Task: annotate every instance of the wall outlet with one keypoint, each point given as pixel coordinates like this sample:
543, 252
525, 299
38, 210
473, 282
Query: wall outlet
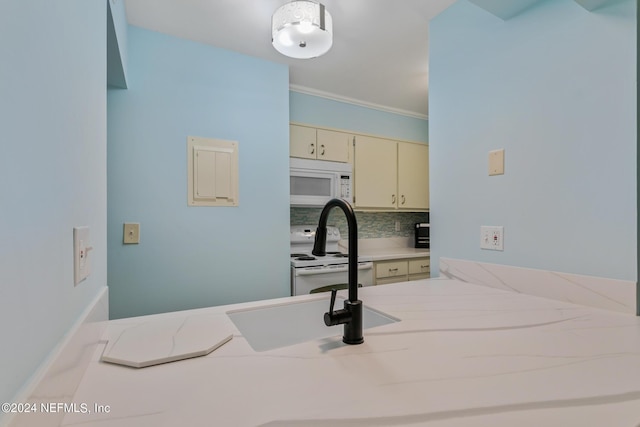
492, 238
81, 260
131, 233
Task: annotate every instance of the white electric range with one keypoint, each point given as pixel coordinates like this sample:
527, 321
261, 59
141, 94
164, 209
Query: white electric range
311, 273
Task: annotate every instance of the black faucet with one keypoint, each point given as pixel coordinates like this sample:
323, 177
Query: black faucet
351, 314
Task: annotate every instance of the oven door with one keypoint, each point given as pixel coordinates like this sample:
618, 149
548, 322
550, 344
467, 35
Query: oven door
306, 280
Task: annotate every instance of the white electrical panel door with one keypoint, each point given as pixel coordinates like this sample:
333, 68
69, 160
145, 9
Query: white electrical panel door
213, 172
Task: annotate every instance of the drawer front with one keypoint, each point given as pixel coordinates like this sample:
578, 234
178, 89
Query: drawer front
420, 276
391, 269
419, 266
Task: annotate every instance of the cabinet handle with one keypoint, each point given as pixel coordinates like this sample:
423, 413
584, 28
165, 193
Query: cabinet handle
313, 148
402, 199
393, 199
392, 269
424, 266
322, 152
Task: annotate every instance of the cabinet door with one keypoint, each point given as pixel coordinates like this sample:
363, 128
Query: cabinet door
332, 145
413, 176
419, 266
391, 269
302, 142
375, 172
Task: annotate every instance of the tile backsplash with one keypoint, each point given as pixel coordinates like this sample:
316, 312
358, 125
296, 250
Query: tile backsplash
371, 225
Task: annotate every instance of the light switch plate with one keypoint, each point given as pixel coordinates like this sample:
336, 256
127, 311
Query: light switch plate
492, 238
81, 249
131, 233
496, 162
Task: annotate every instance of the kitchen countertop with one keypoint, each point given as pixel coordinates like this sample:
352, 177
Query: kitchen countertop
462, 355
383, 254
382, 249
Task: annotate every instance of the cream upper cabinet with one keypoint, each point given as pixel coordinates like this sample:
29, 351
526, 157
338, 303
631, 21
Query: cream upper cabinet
413, 176
375, 172
391, 174
321, 144
302, 142
332, 145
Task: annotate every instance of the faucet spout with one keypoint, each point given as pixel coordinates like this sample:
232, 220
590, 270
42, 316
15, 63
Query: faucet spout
351, 314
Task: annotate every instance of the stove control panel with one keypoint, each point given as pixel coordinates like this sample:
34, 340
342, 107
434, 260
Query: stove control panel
307, 233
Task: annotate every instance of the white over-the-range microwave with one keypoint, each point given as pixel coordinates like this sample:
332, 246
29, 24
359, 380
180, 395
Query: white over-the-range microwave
312, 183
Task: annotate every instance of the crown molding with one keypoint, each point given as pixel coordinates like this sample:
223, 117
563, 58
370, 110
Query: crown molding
347, 100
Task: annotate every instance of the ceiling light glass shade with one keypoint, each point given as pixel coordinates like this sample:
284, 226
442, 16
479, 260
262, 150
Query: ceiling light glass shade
302, 29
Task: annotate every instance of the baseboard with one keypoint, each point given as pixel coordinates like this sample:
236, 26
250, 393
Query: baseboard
57, 379
609, 294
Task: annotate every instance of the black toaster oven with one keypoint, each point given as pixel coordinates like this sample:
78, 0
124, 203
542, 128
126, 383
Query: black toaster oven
421, 235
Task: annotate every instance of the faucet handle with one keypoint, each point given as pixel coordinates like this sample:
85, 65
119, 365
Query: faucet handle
337, 317
334, 292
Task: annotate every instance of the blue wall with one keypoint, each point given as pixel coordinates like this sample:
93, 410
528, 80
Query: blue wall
53, 174
324, 112
556, 87
196, 256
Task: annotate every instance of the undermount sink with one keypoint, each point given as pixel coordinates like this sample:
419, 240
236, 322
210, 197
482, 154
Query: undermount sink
280, 325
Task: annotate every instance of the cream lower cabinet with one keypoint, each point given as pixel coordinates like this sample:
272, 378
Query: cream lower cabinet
390, 175
401, 270
321, 144
419, 268
391, 271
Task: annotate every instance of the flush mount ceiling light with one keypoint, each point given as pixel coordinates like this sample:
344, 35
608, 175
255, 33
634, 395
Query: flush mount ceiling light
301, 29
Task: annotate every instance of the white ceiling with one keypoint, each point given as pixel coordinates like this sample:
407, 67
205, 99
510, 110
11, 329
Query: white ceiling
379, 56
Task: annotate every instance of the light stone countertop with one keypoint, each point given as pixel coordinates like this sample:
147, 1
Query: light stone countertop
390, 248
384, 254
462, 355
